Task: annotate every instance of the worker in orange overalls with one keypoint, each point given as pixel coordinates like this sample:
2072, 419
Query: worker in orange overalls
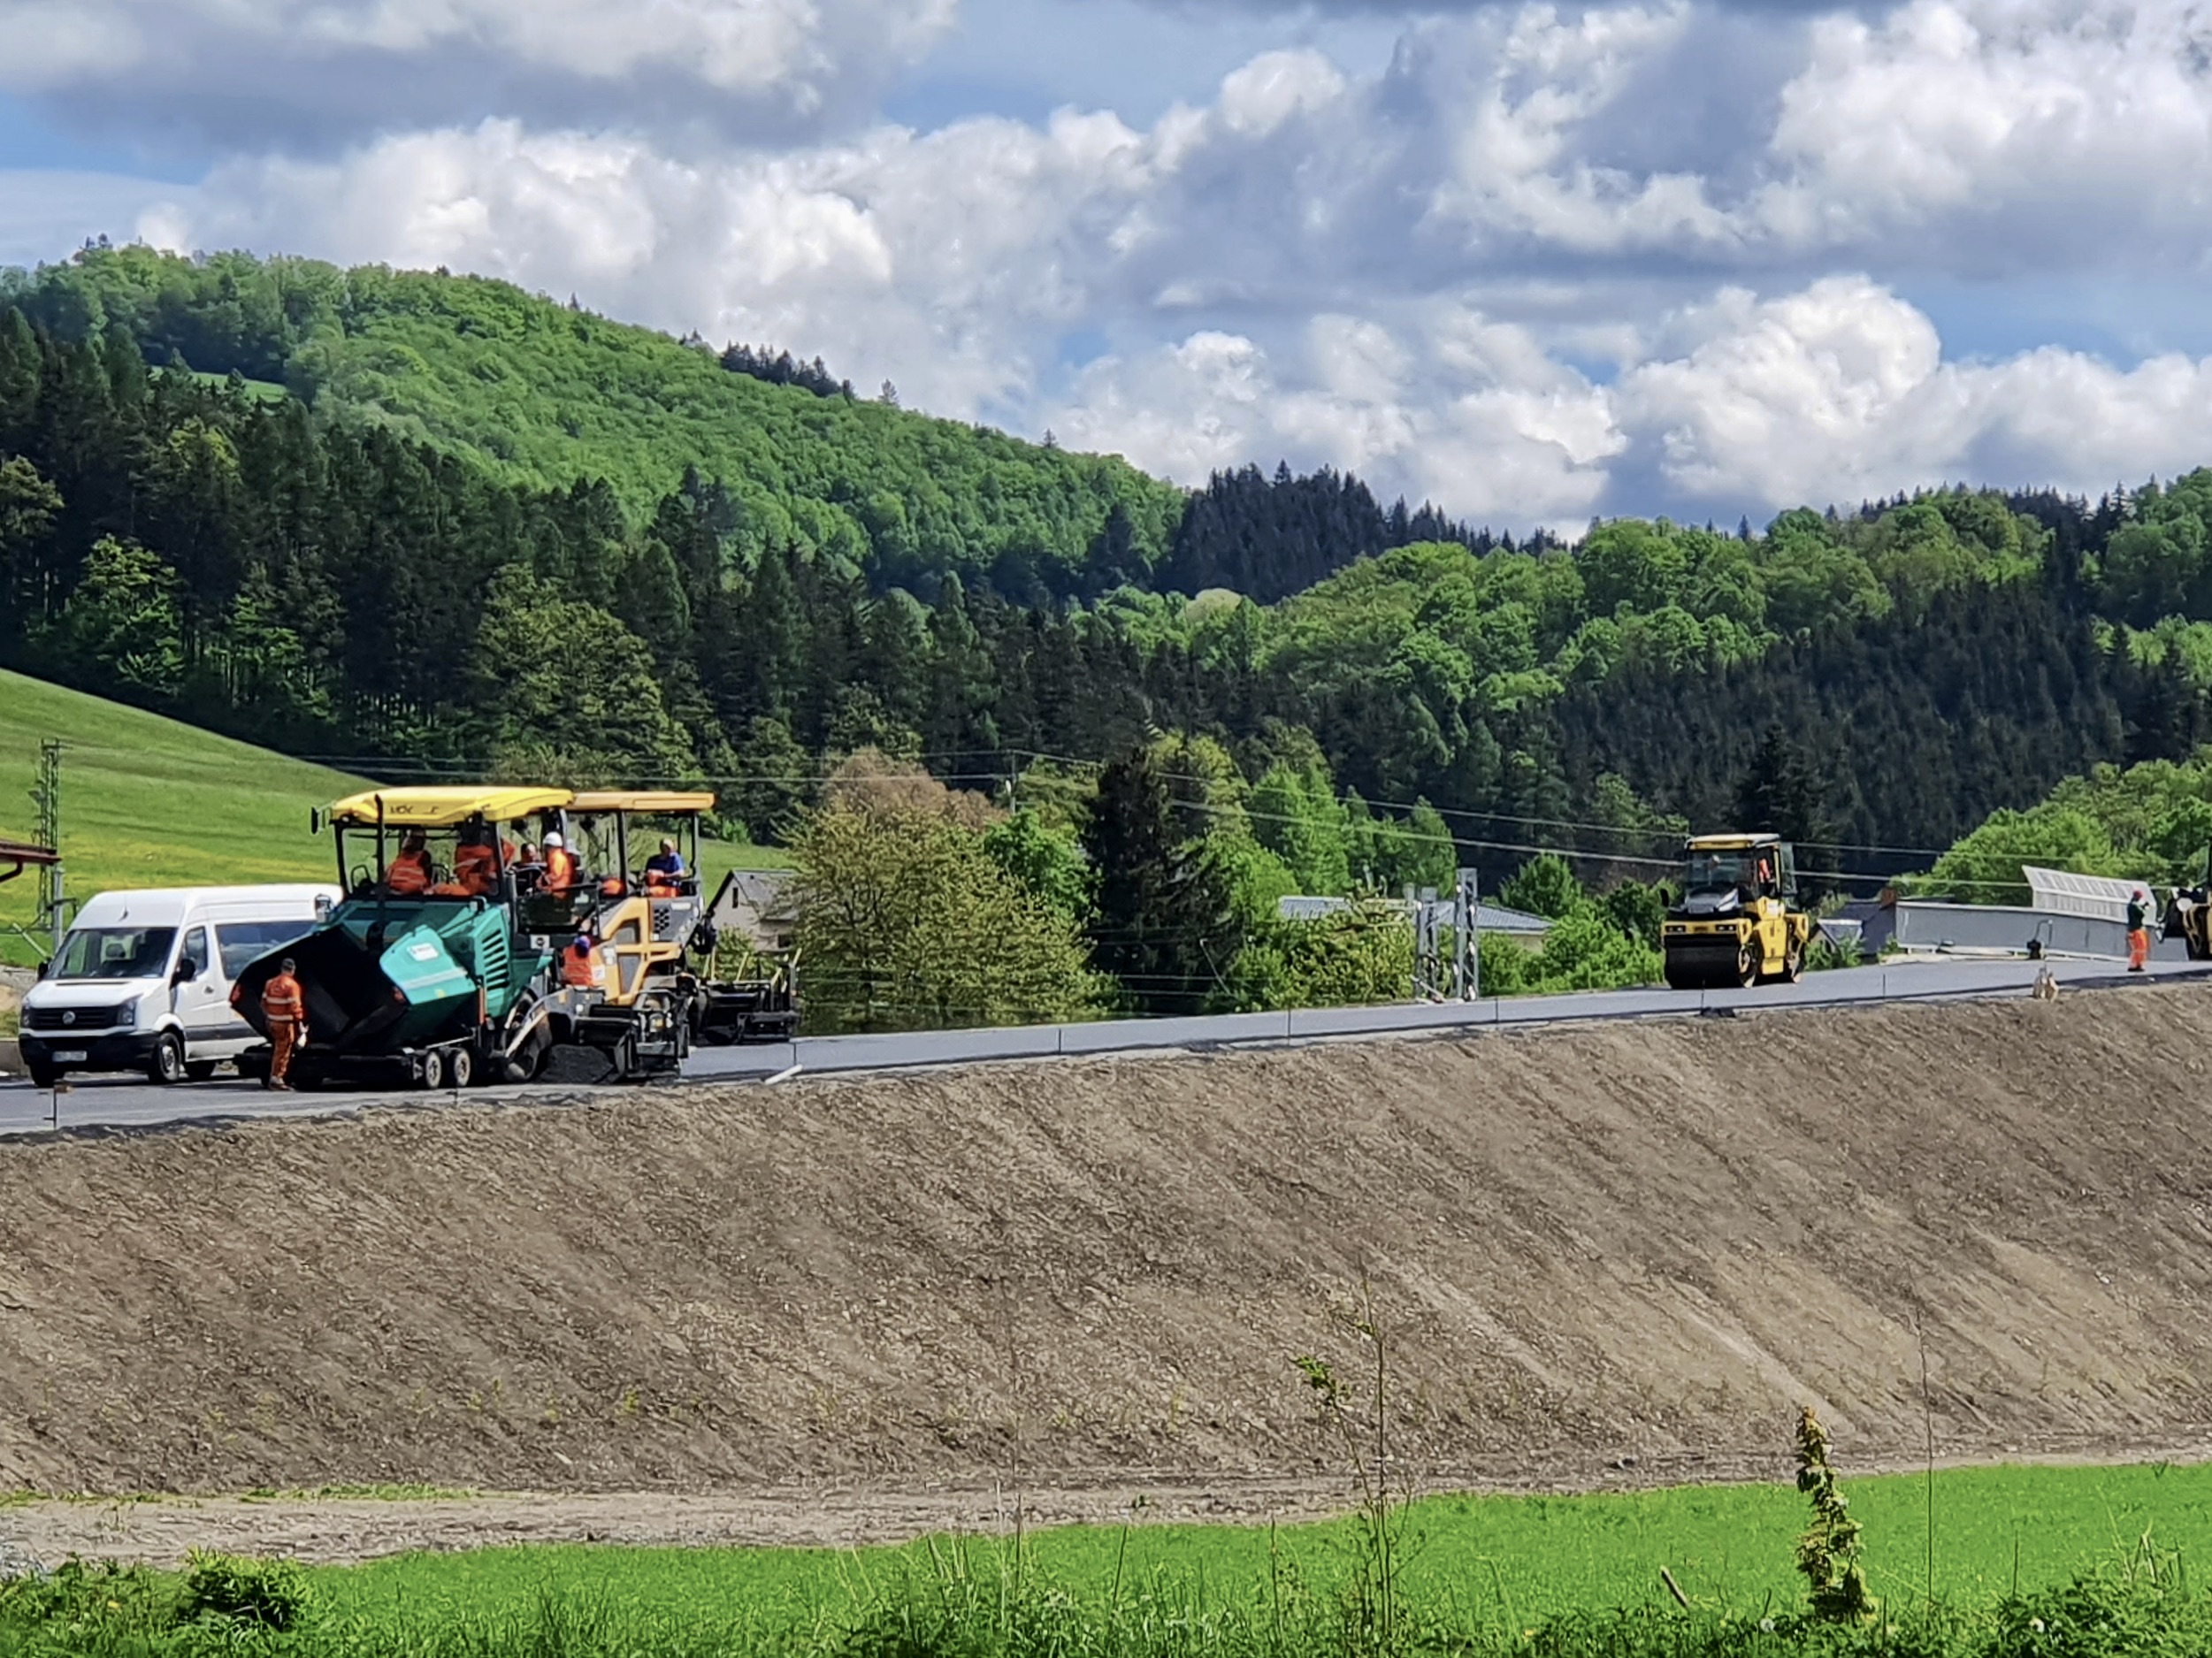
2138, 934
408, 876
284, 1004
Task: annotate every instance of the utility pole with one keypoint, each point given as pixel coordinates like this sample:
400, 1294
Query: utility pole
53, 906
1466, 938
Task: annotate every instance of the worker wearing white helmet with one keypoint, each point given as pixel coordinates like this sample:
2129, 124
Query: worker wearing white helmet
561, 871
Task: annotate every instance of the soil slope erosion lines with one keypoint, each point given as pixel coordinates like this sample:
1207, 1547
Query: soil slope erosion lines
1647, 1240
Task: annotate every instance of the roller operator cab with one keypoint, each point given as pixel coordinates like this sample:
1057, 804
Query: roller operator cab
1739, 920
453, 958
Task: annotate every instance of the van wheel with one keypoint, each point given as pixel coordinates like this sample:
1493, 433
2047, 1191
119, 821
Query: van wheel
166, 1066
461, 1068
434, 1070
199, 1070
43, 1075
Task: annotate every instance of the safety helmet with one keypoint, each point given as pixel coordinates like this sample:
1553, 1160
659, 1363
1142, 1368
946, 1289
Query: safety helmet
583, 941
554, 839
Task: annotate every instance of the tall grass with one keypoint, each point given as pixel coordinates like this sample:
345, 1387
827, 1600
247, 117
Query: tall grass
980, 1603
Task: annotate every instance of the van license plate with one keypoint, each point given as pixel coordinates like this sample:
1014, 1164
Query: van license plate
71, 1056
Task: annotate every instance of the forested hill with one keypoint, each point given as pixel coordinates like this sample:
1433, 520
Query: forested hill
546, 396
340, 586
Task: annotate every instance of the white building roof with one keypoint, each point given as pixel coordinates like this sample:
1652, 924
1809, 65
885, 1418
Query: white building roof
2059, 892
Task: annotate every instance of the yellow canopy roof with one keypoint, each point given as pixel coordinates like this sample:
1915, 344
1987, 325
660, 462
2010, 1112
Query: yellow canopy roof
640, 800
448, 807
1731, 843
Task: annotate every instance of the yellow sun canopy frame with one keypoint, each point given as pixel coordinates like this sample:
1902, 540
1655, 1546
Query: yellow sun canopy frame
447, 807
656, 803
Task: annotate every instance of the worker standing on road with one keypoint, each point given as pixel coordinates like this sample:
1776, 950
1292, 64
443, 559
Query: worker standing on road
2138, 936
581, 968
284, 1004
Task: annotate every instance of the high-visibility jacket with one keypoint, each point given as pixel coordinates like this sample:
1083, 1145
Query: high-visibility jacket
476, 868
560, 870
283, 1001
582, 969
409, 874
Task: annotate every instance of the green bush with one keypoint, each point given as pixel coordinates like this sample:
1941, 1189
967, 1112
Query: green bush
271, 1594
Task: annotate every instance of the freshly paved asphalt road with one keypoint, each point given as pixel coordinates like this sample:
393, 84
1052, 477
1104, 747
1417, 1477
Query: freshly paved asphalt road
129, 1103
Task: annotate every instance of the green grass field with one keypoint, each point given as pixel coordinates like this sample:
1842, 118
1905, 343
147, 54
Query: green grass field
1484, 1575
1487, 1563
149, 802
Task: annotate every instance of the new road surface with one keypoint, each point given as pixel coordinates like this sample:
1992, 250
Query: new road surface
93, 1102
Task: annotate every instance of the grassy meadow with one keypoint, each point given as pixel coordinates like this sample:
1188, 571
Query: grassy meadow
1481, 1575
151, 802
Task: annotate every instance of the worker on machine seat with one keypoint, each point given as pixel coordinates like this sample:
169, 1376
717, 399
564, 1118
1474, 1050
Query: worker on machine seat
562, 873
475, 865
408, 875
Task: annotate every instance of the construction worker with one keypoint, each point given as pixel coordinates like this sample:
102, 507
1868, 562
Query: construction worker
408, 876
561, 868
668, 862
284, 1004
581, 968
475, 865
2139, 935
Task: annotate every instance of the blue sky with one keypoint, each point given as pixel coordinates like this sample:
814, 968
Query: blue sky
1531, 261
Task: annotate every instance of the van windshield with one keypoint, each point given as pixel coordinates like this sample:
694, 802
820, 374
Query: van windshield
115, 953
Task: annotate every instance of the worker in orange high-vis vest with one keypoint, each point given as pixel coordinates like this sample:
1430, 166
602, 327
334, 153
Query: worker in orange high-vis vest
581, 967
408, 875
2139, 931
284, 1004
475, 865
561, 869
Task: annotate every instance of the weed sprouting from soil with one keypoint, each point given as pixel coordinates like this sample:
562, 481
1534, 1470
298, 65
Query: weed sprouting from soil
1828, 1553
1375, 1621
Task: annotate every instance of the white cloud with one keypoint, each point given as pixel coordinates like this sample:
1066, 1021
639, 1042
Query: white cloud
1481, 276
1841, 391
2052, 125
312, 70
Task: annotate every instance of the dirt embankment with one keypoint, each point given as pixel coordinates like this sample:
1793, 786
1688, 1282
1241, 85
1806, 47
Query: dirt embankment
1645, 1242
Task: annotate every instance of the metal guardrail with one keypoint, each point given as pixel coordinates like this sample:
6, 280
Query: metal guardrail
1925, 981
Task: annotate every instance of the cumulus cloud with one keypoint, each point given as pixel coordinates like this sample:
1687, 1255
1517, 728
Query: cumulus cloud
308, 73
2027, 128
1841, 392
1486, 274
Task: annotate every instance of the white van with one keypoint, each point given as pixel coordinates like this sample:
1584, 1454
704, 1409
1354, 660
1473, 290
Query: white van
143, 981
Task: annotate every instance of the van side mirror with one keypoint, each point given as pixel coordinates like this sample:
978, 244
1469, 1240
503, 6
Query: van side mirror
185, 971
45, 968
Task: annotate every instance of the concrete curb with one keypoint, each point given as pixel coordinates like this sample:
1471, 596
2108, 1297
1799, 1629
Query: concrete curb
11, 1058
